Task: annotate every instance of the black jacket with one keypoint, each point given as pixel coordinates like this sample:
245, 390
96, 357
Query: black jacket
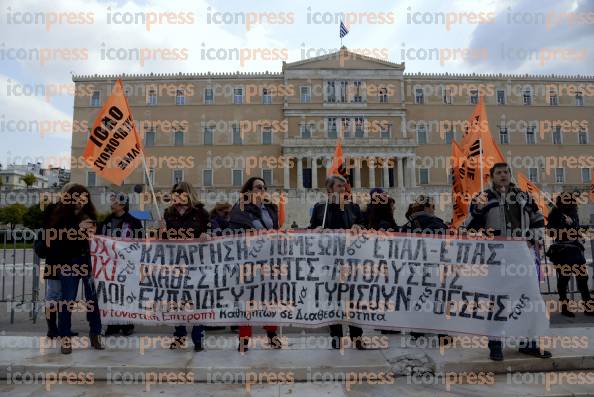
190, 225
126, 223
62, 250
245, 219
421, 222
567, 247
336, 217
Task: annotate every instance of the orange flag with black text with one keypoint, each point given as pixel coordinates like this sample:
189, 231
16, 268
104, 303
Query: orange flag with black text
114, 148
526, 185
477, 139
338, 165
460, 205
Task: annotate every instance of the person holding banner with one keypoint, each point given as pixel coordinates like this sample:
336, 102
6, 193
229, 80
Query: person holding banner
338, 213
122, 225
185, 218
421, 218
567, 251
379, 214
219, 218
254, 211
70, 226
506, 211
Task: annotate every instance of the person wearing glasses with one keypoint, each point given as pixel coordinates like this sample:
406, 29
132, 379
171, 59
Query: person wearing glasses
255, 211
185, 218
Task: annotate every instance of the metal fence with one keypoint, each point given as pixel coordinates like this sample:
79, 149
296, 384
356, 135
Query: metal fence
22, 287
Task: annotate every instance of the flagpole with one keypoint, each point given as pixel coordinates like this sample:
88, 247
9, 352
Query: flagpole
481, 164
148, 177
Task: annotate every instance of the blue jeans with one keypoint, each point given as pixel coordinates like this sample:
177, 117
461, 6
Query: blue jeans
53, 294
69, 290
197, 332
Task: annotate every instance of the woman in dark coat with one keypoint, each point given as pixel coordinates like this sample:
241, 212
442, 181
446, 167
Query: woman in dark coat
255, 212
122, 225
186, 217
73, 220
380, 212
567, 251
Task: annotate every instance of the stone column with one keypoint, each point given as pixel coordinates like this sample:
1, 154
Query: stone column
300, 173
371, 164
314, 173
287, 174
357, 173
400, 169
386, 174
413, 172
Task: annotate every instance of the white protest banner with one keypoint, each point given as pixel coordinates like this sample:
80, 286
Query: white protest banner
310, 279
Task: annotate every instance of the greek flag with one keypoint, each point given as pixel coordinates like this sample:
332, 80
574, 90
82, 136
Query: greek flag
343, 30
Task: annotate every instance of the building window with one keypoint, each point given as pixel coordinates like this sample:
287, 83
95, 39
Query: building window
266, 96
237, 139
383, 95
447, 96
96, 99
579, 99
423, 176
208, 135
91, 178
344, 91
152, 97
238, 96
385, 131
500, 97
359, 127
474, 97
557, 137
305, 92
503, 135
178, 176
583, 137
207, 177
586, 175
178, 138
332, 133
305, 131
266, 136
150, 179
345, 124
559, 175
527, 96
307, 178
330, 92
357, 94
149, 137
531, 135
449, 137
237, 177
553, 98
180, 98
267, 176
208, 96
419, 96
533, 175
421, 134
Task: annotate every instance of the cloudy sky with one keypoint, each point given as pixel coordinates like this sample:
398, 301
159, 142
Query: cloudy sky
42, 43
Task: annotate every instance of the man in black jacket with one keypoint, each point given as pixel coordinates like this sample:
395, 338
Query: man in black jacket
120, 224
338, 213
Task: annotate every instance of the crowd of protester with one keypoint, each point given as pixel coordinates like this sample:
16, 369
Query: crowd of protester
502, 210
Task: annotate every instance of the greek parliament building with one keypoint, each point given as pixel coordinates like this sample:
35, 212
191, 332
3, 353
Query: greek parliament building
215, 130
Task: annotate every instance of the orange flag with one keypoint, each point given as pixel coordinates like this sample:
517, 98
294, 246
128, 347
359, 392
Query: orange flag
460, 205
338, 166
478, 139
114, 148
282, 214
529, 187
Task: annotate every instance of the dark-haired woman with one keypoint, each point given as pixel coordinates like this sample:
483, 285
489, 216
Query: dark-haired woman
254, 211
73, 220
567, 252
186, 218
